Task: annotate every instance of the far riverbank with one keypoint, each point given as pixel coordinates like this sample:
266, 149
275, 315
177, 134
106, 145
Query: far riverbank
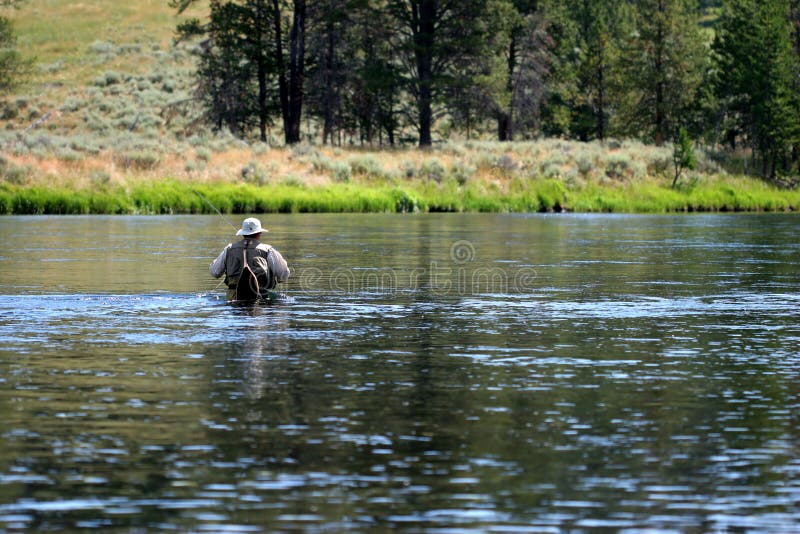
172, 197
540, 176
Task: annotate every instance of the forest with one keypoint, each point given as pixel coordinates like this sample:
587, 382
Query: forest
398, 72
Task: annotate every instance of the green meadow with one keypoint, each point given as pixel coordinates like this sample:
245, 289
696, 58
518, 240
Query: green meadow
172, 196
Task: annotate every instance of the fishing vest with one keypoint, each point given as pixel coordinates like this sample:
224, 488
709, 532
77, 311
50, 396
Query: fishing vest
247, 271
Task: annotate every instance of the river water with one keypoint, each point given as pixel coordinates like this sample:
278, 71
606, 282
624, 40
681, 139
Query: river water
495, 373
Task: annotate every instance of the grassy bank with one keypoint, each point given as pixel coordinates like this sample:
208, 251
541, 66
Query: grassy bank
431, 183
548, 175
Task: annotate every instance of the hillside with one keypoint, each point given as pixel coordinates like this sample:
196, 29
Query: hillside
108, 110
97, 65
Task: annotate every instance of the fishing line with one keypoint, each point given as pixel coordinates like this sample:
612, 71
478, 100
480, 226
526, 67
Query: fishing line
213, 207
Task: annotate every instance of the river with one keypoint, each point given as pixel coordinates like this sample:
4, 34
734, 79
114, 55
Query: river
427, 372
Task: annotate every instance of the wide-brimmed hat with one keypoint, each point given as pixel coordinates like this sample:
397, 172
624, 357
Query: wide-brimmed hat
251, 226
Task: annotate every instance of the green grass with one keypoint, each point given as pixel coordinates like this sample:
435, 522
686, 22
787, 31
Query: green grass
62, 32
175, 197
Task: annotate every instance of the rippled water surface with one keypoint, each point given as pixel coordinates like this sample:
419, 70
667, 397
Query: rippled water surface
420, 372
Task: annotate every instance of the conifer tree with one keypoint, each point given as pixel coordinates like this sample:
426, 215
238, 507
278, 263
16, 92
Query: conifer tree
12, 65
663, 65
585, 88
757, 69
602, 25
255, 51
519, 62
432, 42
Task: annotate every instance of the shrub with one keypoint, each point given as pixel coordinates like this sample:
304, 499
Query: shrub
432, 169
706, 163
108, 78
52, 68
367, 165
551, 170
505, 164
14, 174
130, 49
95, 122
462, 172
203, 154
658, 165
252, 173
100, 178
621, 166
144, 160
197, 140
454, 149
341, 171
72, 104
142, 84
585, 165
408, 169
260, 149
300, 150
68, 154
551, 195
9, 111
404, 202
102, 47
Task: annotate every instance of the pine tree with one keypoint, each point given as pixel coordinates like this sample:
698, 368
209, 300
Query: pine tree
602, 25
757, 68
433, 41
12, 65
585, 87
510, 84
331, 56
663, 65
247, 55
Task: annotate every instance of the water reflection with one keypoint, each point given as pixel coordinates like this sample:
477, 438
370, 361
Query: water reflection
644, 378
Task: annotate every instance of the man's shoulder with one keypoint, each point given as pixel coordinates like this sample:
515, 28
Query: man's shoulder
265, 247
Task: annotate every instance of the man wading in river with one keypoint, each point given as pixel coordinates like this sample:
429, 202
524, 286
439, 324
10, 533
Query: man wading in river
251, 268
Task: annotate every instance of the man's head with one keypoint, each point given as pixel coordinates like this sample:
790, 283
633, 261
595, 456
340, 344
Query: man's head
251, 228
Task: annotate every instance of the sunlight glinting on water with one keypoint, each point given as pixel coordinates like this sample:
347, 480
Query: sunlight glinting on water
642, 377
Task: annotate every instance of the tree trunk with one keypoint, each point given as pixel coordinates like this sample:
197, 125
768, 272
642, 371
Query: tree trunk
659, 66
601, 101
327, 128
263, 112
503, 126
297, 57
263, 115
425, 14
283, 86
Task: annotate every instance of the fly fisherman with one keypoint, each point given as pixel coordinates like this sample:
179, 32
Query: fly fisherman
251, 268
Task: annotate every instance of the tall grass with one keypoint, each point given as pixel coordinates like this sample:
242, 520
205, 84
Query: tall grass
176, 197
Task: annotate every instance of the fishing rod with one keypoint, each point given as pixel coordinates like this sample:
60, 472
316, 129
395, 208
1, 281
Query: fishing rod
213, 207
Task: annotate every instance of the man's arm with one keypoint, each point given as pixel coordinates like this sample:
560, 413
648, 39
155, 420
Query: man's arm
217, 266
278, 266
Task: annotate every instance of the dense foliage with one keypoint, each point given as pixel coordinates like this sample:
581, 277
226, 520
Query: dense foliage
12, 66
389, 71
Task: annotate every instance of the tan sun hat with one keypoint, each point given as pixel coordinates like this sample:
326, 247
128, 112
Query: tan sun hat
251, 226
